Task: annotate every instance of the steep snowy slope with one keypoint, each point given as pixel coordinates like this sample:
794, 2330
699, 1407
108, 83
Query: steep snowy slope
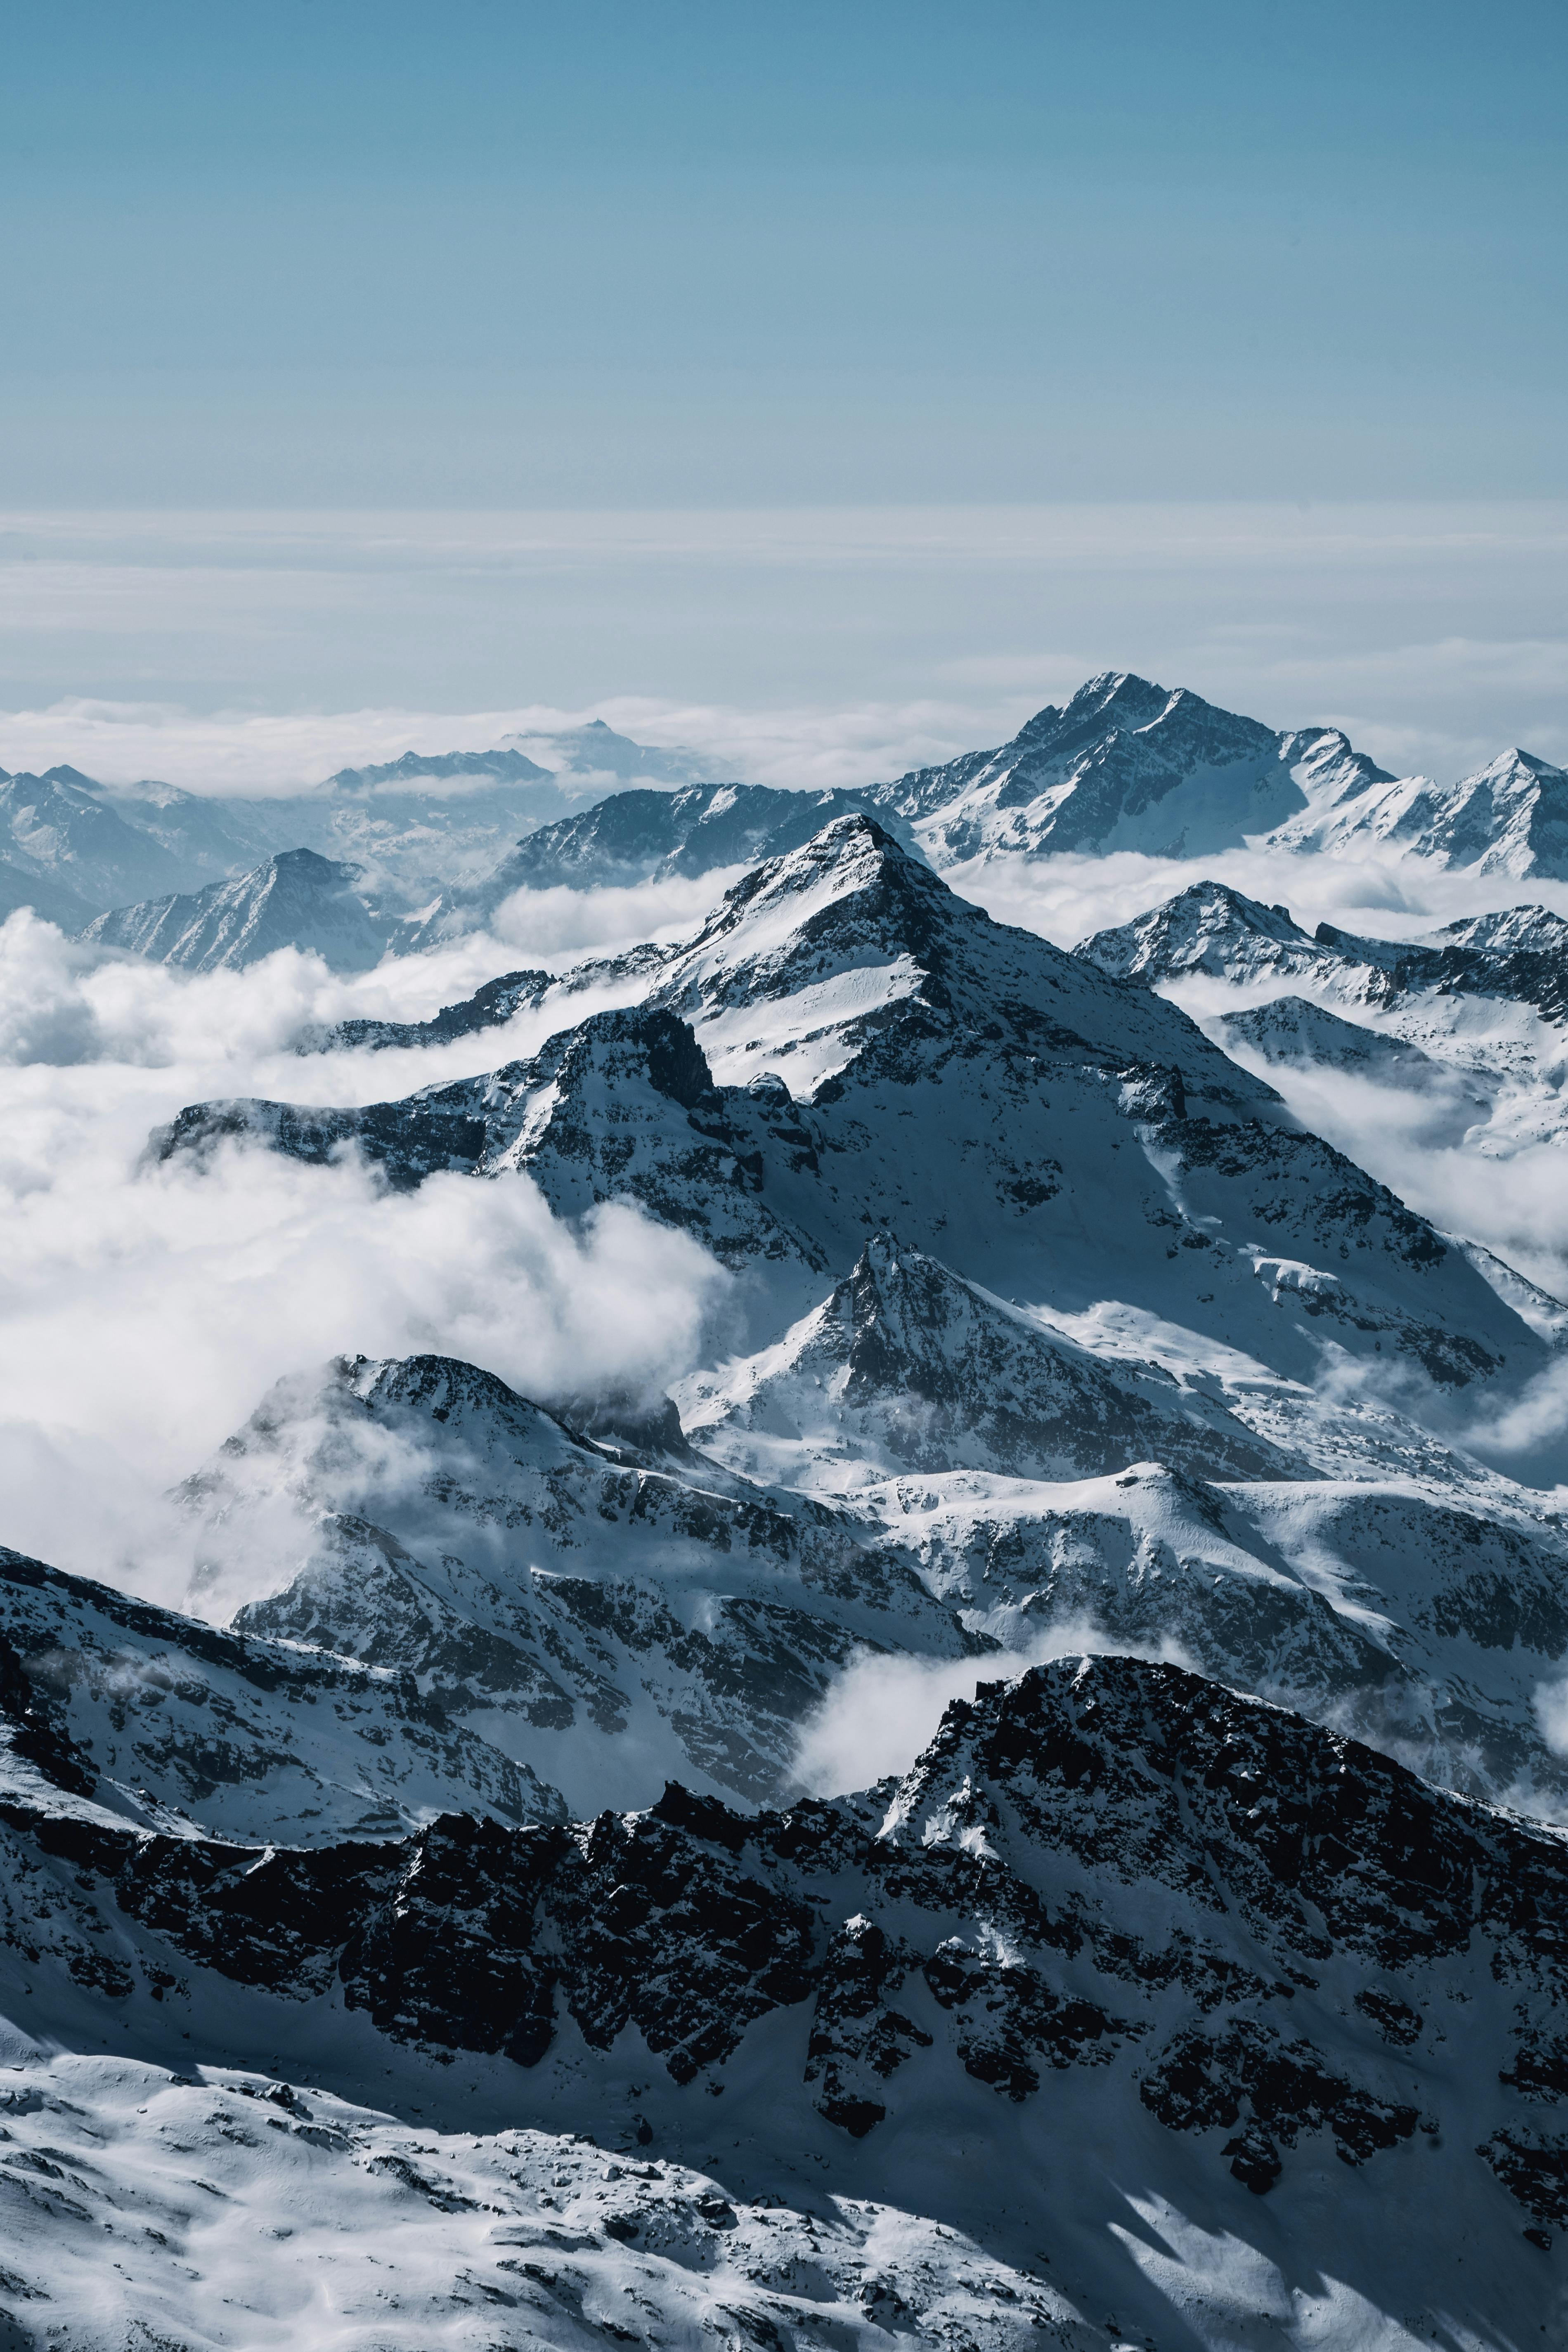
295, 899
1471, 1017
1510, 817
600, 1621
1293, 1029
1519, 955
1134, 2011
171, 1725
889, 1059
1046, 1488
1433, 1628
1211, 929
905, 1366
1128, 765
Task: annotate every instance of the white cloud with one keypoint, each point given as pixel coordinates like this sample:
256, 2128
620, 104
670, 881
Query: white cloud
881, 1712
1068, 899
142, 1312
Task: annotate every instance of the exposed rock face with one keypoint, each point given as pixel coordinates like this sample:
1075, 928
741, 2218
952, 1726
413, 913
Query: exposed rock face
1267, 1938
1465, 1023
599, 1618
906, 1367
1519, 956
1146, 1990
489, 1007
1128, 765
169, 1723
1294, 1029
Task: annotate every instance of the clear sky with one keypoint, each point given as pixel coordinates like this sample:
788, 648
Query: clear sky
612, 253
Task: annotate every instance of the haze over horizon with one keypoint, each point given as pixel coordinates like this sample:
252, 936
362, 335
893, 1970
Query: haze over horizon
857, 367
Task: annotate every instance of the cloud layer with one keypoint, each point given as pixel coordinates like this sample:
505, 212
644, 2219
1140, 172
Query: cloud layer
802, 645
142, 1311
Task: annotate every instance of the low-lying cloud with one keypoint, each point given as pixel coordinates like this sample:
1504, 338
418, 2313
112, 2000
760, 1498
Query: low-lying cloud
1068, 899
881, 1711
144, 1311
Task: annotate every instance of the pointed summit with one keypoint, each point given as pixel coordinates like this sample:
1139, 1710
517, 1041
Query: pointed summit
1127, 764
1208, 928
906, 1367
296, 899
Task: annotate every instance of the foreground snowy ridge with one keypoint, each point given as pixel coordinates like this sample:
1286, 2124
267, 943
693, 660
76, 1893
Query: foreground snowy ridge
1116, 1919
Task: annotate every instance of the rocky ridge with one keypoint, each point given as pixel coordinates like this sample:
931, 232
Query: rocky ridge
1269, 1964
601, 1616
1470, 1017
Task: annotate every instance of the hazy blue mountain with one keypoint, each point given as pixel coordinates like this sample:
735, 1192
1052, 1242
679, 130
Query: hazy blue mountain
295, 899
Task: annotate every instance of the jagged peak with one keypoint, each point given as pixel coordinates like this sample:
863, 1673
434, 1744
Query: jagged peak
851, 852
667, 1046
1515, 765
327, 1404
1534, 928
1207, 908
307, 864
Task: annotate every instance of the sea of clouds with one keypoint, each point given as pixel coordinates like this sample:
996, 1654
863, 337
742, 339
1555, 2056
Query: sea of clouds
145, 1310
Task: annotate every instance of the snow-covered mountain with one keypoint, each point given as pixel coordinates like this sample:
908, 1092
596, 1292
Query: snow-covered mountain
647, 835
72, 848
59, 834
1519, 955
772, 1093
196, 1731
1199, 1985
904, 1367
1128, 765
1510, 817
294, 899
489, 1007
594, 754
1470, 1017
1136, 2011
602, 1617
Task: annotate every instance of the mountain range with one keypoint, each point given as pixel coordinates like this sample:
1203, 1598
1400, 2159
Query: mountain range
1467, 1019
1128, 765
1023, 1803
74, 848
440, 841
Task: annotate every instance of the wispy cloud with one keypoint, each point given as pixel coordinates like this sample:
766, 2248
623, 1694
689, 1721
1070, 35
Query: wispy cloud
144, 1311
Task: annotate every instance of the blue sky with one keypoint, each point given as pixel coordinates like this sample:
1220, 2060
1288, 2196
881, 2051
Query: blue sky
318, 253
